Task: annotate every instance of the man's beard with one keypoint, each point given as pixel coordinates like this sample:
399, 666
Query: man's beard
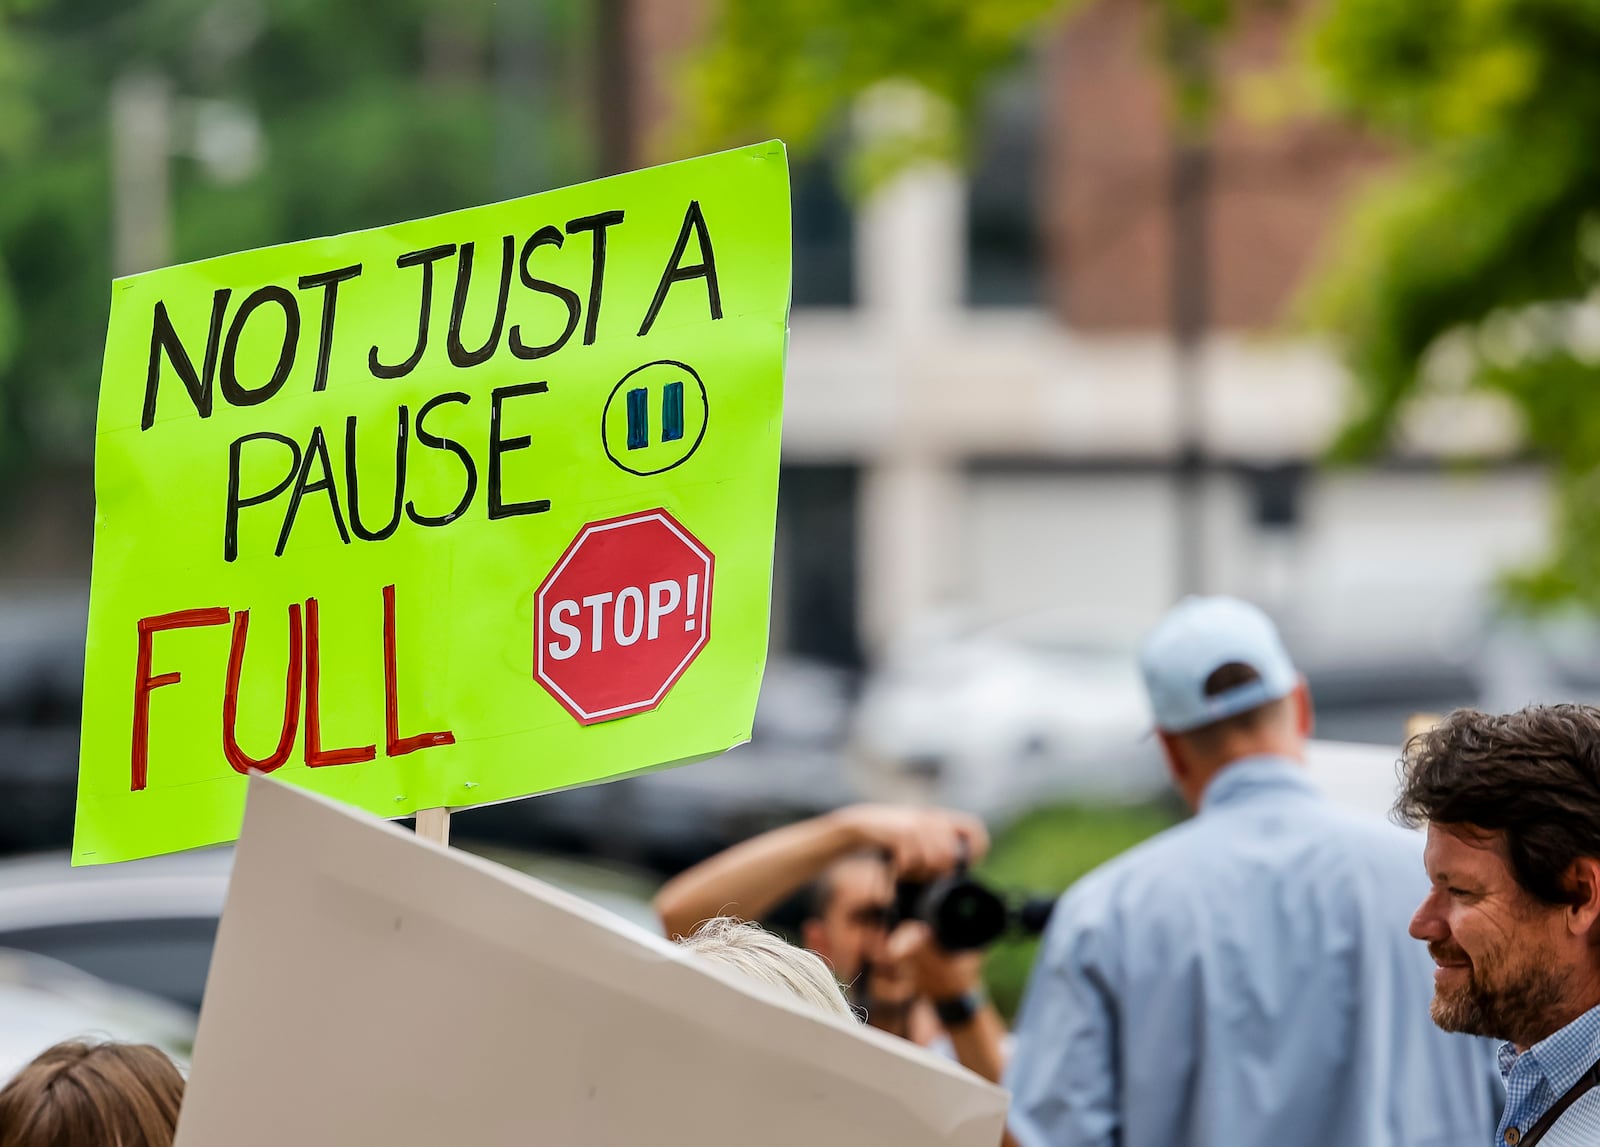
1524, 1007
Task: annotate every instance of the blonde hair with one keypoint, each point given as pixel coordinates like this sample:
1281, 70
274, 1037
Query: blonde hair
752, 951
82, 1093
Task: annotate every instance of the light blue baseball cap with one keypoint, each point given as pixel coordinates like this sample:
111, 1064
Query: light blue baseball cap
1197, 637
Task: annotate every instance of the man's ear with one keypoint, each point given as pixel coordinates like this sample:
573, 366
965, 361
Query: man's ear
1583, 881
814, 936
1178, 763
1304, 712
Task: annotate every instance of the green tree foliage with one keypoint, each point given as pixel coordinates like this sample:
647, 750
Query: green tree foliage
368, 112
17, 133
791, 67
1483, 241
1475, 261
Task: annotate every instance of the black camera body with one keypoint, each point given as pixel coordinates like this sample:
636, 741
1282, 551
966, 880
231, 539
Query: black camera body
964, 913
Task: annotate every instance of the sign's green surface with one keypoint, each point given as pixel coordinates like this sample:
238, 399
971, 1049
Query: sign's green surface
343, 489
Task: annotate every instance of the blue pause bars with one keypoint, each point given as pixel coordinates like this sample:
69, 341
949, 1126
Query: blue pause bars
639, 415
672, 412
638, 419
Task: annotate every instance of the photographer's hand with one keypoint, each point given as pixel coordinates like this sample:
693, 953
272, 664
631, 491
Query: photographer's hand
749, 879
953, 982
889, 995
921, 842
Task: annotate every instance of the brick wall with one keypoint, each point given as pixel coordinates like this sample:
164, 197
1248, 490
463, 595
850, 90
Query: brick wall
1106, 169
1277, 187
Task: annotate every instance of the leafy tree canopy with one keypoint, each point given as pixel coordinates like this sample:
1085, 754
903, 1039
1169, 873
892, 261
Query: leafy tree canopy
368, 112
1474, 262
1471, 263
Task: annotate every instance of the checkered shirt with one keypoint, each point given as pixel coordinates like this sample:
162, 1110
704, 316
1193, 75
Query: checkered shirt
1538, 1077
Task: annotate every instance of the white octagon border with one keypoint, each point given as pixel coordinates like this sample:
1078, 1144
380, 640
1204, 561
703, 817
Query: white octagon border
632, 707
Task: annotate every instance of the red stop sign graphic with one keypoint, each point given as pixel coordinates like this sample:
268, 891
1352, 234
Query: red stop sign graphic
622, 615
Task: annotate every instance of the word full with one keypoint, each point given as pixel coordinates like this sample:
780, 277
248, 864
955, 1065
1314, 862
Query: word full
304, 674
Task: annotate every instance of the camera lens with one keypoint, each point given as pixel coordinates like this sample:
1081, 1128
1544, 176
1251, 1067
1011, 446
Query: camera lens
1034, 915
964, 914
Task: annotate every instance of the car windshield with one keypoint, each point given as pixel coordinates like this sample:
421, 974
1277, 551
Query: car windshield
1053, 636
166, 958
151, 925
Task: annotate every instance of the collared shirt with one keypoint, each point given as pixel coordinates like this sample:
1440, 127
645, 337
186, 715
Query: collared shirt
1244, 979
1538, 1077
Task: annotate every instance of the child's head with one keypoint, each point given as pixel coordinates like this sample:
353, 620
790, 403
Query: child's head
80, 1093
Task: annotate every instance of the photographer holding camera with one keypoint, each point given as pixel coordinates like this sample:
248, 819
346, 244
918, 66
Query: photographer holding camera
881, 937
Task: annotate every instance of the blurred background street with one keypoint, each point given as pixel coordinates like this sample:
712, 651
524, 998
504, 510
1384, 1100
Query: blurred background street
1095, 305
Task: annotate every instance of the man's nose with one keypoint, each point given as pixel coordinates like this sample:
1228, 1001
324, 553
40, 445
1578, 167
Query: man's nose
1426, 923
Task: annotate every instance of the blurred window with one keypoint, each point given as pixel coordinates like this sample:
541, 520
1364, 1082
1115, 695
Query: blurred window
167, 958
815, 590
1276, 493
1004, 267
824, 234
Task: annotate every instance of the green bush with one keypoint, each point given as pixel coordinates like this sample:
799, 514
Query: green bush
1044, 852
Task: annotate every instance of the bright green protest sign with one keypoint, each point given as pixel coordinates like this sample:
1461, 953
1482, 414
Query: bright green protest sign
439, 514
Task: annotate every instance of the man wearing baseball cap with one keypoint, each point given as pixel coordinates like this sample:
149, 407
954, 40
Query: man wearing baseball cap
1243, 978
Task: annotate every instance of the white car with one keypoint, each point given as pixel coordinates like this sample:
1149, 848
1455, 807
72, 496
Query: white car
43, 1001
149, 925
997, 720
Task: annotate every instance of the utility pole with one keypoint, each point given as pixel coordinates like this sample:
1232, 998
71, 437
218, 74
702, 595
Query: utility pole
613, 86
1190, 302
1191, 179
141, 150
521, 104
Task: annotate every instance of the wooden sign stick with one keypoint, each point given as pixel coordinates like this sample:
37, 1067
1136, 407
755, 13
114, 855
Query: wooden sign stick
434, 824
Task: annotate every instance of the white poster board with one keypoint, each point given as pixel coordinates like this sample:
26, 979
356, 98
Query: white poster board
371, 987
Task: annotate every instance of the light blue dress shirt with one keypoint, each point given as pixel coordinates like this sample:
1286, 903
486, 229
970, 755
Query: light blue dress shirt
1545, 1072
1245, 979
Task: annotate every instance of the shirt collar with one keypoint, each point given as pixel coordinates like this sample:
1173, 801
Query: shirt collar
1561, 1057
1249, 777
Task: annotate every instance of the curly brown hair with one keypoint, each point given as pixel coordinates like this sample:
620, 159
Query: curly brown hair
1532, 775
76, 1094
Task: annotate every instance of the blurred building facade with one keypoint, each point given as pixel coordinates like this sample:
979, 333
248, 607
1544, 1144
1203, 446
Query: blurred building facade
987, 420
983, 415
